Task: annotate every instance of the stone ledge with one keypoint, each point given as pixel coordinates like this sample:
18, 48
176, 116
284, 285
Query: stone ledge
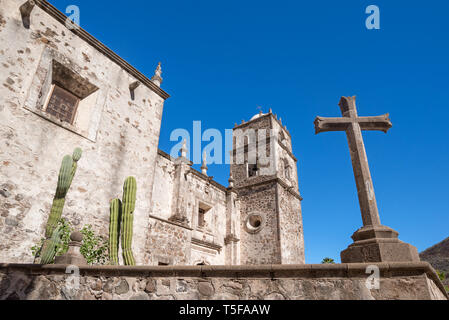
343, 281
246, 271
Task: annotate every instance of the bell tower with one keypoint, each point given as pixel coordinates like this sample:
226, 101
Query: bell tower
266, 178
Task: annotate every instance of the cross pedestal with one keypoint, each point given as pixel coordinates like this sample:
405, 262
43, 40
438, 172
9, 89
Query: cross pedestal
373, 242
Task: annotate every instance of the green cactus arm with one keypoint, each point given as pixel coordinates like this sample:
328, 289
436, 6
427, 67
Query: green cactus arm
65, 178
50, 245
114, 230
128, 207
77, 154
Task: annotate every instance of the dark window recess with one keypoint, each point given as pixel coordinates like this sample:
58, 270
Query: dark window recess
252, 170
62, 104
162, 264
201, 217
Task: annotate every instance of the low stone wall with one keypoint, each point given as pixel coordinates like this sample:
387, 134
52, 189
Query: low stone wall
279, 282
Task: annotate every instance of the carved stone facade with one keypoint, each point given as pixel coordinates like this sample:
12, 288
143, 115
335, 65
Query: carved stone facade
61, 89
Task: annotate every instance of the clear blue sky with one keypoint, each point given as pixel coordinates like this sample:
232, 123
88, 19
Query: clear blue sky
222, 59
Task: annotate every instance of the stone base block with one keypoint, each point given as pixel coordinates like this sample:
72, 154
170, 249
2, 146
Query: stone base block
378, 244
71, 260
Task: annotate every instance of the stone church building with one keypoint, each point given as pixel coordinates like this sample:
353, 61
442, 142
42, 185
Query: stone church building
61, 89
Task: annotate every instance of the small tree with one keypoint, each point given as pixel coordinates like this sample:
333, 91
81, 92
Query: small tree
328, 261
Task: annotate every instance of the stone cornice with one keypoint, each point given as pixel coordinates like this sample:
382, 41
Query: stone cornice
84, 35
272, 179
208, 179
164, 155
206, 244
196, 172
171, 222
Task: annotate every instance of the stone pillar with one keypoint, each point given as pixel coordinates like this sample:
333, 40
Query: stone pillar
232, 253
73, 255
179, 205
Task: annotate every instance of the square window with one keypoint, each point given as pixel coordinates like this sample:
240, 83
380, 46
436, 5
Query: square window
253, 170
203, 209
61, 92
62, 104
201, 217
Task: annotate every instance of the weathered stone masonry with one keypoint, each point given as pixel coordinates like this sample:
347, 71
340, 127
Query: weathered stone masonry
182, 215
119, 136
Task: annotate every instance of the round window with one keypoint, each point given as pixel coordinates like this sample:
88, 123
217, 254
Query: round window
254, 223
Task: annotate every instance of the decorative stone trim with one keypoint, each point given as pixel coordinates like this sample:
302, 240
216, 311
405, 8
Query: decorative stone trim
254, 223
92, 95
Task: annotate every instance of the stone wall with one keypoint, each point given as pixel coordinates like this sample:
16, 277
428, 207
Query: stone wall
290, 227
260, 246
399, 281
119, 135
168, 243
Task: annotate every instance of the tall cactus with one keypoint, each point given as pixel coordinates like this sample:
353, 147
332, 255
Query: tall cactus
66, 174
128, 206
50, 245
114, 230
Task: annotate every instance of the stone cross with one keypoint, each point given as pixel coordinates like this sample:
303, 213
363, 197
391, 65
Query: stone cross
373, 242
353, 125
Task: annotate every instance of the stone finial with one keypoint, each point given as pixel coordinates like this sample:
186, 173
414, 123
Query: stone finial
157, 78
76, 237
231, 181
184, 149
204, 166
243, 121
280, 121
270, 111
73, 255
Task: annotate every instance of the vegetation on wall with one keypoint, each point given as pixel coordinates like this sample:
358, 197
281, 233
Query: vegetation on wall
328, 261
94, 248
